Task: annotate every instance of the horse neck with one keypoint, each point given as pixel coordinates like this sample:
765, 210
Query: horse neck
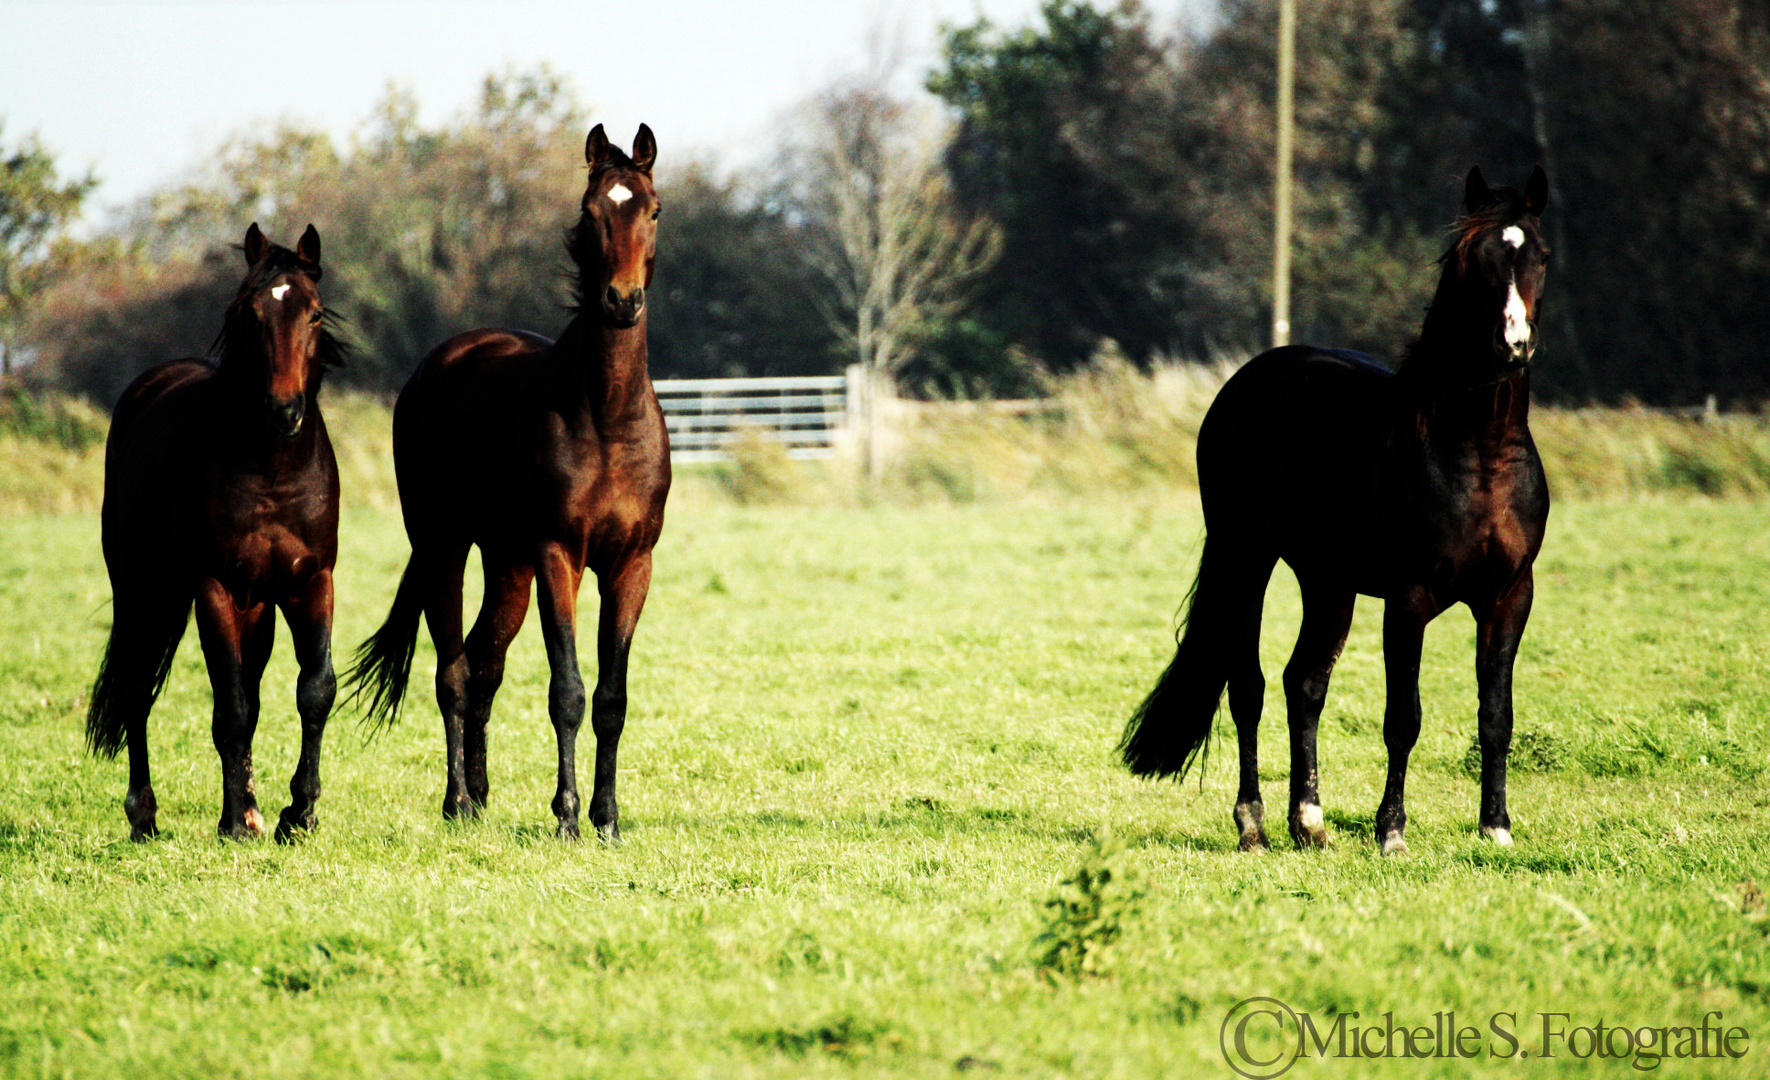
603, 369
1453, 387
241, 407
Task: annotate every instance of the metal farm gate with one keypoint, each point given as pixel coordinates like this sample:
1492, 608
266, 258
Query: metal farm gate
808, 413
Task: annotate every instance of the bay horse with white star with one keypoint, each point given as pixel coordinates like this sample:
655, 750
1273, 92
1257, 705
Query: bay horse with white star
552, 458
221, 490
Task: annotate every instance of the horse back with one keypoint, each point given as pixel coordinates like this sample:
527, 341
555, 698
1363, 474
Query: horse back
1290, 458
150, 388
1299, 423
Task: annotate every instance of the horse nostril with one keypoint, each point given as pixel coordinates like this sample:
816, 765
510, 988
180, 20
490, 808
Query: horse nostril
613, 296
285, 416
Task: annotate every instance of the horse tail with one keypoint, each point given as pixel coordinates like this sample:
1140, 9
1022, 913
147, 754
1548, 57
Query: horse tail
1169, 731
137, 659
383, 663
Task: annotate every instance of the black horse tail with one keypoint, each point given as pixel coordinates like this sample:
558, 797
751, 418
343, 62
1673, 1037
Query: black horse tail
1169, 731
137, 658
384, 662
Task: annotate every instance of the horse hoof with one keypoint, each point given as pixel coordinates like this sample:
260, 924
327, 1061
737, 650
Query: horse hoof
610, 833
1307, 827
1393, 844
1255, 842
568, 830
292, 827
1500, 836
460, 809
140, 809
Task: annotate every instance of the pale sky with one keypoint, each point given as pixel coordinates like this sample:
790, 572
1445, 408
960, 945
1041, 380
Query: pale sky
140, 90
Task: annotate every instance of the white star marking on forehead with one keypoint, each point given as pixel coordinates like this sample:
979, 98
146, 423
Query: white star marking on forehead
277, 293
1513, 235
619, 194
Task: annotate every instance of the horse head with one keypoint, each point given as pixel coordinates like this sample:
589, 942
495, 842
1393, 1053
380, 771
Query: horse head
616, 239
1499, 260
277, 316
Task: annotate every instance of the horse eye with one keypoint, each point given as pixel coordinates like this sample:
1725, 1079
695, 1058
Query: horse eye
317, 316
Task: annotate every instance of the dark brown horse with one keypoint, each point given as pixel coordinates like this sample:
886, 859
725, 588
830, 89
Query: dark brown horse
1421, 487
221, 489
551, 456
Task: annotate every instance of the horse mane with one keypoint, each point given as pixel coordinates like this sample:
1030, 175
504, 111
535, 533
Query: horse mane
332, 350
578, 245
1506, 206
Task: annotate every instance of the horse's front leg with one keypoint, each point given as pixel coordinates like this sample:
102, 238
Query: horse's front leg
622, 593
557, 575
1497, 635
236, 645
1404, 631
309, 613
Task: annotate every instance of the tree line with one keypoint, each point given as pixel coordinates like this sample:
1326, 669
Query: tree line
1089, 180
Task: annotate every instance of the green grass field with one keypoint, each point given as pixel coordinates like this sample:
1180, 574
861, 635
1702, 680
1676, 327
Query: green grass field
865, 745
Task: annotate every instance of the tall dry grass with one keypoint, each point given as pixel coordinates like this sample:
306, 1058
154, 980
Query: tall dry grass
1115, 428
1111, 428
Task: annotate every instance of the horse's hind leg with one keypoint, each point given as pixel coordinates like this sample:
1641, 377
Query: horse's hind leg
310, 624
442, 613
144, 634
139, 804
1243, 595
236, 644
500, 617
1327, 616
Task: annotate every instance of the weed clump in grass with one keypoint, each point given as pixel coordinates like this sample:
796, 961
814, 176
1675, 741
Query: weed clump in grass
1532, 751
845, 1036
760, 472
1086, 915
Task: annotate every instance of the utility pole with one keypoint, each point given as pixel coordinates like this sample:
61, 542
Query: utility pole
1281, 211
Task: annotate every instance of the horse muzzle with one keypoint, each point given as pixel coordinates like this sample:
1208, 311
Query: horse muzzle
1518, 350
285, 416
623, 310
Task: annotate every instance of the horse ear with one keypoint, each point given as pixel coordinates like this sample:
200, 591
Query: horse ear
255, 246
596, 148
1536, 192
307, 249
645, 149
1476, 193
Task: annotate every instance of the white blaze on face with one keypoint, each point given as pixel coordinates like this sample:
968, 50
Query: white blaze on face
619, 194
279, 292
1517, 320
